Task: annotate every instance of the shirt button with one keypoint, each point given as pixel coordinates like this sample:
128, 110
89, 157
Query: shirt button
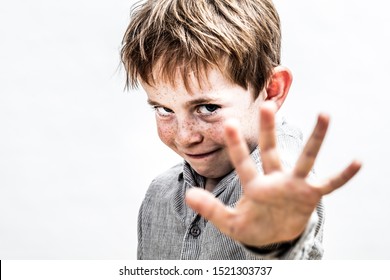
195, 231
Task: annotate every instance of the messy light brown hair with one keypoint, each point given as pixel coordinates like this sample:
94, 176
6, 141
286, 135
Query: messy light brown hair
241, 38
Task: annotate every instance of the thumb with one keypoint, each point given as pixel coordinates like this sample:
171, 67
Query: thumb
211, 208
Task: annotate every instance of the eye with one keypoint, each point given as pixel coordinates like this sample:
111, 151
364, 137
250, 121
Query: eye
207, 109
162, 111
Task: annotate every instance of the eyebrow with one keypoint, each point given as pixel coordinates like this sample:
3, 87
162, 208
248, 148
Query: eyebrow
153, 103
189, 103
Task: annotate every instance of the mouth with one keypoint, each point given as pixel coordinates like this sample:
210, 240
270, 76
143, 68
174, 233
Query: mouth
202, 155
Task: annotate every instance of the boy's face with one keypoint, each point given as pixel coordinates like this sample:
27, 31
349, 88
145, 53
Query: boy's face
192, 122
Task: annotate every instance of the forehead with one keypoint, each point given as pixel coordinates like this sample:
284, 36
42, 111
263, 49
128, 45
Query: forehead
191, 82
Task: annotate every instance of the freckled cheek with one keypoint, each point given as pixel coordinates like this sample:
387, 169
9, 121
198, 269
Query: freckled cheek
166, 133
215, 133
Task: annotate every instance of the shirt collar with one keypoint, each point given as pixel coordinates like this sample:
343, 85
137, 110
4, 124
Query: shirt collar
192, 178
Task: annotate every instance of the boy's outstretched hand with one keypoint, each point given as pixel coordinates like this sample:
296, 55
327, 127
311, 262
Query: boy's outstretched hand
275, 206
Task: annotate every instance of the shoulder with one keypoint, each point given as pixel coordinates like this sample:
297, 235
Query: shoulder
166, 180
162, 191
285, 130
290, 142
172, 174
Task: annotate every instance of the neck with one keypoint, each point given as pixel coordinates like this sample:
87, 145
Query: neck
210, 184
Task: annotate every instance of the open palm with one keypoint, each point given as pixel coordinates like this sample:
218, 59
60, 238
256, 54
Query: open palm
275, 206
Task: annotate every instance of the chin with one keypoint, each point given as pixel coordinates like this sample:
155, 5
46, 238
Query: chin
213, 174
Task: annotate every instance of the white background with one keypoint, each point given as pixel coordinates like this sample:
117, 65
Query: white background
77, 152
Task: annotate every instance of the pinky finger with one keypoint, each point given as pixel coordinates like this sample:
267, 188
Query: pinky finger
340, 179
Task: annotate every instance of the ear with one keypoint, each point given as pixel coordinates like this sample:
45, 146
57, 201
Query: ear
278, 85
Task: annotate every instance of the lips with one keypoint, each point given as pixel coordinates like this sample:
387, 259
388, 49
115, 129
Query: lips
201, 155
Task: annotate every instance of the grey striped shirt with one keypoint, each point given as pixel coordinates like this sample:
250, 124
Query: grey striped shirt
169, 229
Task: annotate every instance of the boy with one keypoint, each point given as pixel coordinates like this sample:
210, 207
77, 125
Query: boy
211, 70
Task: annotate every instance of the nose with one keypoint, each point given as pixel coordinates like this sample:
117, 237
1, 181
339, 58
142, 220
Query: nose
188, 133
